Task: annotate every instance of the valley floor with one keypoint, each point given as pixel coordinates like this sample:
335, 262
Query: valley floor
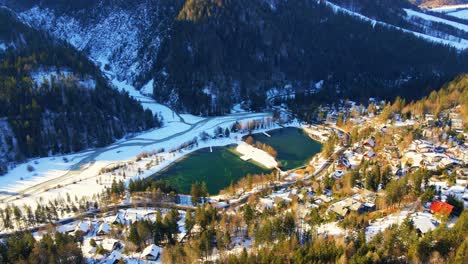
78, 175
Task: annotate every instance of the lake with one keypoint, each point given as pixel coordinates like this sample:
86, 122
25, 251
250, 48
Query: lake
217, 169
295, 148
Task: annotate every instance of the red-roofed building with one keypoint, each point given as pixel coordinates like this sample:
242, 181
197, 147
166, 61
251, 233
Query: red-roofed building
441, 207
341, 166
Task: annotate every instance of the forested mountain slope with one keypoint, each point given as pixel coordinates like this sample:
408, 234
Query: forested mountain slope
54, 100
123, 35
249, 47
205, 56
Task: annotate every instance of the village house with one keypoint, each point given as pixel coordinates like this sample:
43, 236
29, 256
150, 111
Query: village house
83, 227
369, 143
118, 219
104, 229
344, 207
151, 253
456, 121
429, 119
439, 207
111, 245
424, 148
424, 222
369, 154
113, 258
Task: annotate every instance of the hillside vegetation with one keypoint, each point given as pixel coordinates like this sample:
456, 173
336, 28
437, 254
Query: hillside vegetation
55, 100
222, 52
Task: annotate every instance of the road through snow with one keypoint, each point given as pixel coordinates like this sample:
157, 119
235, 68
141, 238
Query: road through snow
87, 164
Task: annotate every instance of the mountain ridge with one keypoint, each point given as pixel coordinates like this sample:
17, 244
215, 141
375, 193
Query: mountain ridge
154, 42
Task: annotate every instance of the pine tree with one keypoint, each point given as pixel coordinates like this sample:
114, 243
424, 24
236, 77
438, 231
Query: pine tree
195, 193
189, 221
204, 191
133, 235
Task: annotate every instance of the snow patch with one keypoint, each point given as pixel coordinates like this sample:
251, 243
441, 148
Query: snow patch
463, 14
331, 229
412, 13
449, 8
251, 153
39, 76
457, 43
147, 89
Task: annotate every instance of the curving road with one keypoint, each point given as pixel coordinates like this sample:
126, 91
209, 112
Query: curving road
139, 141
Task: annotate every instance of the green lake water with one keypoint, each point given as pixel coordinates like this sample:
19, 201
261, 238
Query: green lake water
295, 148
217, 169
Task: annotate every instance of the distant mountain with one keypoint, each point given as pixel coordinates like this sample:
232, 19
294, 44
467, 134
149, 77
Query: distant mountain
54, 100
203, 56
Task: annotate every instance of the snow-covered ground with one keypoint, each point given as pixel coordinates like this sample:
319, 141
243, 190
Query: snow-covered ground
455, 42
449, 8
460, 11
463, 14
42, 169
41, 75
78, 175
331, 229
412, 13
147, 89
167, 114
381, 224
3, 46
251, 153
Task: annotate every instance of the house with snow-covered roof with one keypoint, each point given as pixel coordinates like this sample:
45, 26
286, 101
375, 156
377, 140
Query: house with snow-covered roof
343, 207
370, 143
369, 154
83, 227
111, 245
151, 253
113, 258
118, 219
424, 222
104, 229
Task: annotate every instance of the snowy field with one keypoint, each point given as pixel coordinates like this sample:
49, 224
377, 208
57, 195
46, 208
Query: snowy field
412, 13
463, 14
457, 43
78, 174
381, 224
449, 8
460, 11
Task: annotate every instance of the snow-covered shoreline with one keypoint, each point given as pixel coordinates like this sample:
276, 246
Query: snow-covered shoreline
78, 175
251, 153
